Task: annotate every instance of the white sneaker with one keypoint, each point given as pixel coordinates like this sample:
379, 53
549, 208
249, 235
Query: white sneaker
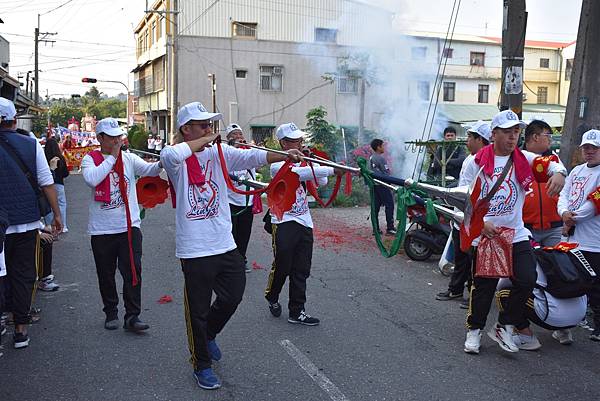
473, 341
47, 284
563, 336
525, 342
503, 336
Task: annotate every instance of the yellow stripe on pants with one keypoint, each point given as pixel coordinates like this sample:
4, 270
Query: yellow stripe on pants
273, 266
188, 324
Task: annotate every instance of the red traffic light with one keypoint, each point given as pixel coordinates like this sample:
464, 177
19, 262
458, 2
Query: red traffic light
89, 80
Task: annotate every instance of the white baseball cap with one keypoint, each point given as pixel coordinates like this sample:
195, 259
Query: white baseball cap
7, 110
195, 111
232, 127
591, 137
289, 130
109, 126
507, 119
482, 129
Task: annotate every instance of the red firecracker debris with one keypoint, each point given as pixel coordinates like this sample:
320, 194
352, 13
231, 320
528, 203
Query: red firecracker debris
165, 299
256, 266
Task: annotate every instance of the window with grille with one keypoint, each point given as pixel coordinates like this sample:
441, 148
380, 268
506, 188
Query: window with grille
325, 35
449, 91
244, 30
158, 74
241, 74
542, 95
478, 59
447, 53
347, 84
271, 78
544, 63
483, 93
261, 134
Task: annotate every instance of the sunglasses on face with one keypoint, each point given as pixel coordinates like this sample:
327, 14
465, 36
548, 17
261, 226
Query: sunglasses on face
202, 125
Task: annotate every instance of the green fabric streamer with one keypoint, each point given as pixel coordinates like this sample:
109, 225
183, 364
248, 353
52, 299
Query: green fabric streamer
403, 199
431, 216
142, 214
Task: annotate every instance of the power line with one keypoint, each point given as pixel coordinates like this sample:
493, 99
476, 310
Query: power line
54, 9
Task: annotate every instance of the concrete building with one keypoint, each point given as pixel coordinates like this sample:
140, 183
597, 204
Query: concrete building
473, 69
269, 59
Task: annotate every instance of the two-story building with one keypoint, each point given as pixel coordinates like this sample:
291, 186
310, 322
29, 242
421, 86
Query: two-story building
270, 59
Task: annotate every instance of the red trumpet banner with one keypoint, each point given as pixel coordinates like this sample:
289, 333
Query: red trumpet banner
151, 191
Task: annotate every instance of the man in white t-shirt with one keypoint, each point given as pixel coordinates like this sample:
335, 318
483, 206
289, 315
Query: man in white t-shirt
545, 310
579, 207
293, 235
240, 205
151, 144
209, 257
158, 143
505, 210
108, 222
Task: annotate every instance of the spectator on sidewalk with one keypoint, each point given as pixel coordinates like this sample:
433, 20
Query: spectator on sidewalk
455, 156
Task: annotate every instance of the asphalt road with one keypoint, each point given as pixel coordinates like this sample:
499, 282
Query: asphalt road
382, 337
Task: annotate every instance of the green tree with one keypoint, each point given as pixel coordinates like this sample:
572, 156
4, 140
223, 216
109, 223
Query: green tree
323, 135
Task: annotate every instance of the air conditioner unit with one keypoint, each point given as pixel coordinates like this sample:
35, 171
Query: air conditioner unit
277, 70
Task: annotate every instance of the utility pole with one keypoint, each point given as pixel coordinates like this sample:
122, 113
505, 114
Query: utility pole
174, 67
583, 104
37, 41
514, 26
213, 86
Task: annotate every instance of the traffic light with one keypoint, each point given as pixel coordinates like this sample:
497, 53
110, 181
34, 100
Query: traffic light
89, 80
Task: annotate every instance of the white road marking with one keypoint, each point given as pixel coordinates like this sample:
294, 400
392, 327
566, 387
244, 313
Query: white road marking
313, 372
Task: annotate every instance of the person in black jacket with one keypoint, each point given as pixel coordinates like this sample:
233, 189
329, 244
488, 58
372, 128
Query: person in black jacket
455, 155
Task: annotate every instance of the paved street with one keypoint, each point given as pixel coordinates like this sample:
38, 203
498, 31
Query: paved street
382, 337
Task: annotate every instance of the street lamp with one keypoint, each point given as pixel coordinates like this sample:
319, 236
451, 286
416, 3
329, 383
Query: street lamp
89, 80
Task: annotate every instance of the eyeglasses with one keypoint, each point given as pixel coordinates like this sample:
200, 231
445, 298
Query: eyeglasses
202, 125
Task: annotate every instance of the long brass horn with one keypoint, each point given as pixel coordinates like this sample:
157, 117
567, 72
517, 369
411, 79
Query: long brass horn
452, 214
320, 160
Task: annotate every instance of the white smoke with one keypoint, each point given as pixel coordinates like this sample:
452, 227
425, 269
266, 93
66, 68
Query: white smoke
394, 106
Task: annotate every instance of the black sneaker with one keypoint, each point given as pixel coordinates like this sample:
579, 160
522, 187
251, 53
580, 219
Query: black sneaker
391, 231
304, 319
275, 309
135, 324
21, 340
447, 295
595, 336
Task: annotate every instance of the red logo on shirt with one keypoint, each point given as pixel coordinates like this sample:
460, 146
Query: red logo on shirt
204, 200
116, 200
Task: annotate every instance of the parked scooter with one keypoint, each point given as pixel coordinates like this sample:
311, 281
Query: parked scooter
423, 240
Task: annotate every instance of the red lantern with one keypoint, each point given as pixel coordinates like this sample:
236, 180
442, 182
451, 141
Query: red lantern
151, 191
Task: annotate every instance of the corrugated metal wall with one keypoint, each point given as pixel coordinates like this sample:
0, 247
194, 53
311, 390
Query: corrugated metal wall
281, 20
